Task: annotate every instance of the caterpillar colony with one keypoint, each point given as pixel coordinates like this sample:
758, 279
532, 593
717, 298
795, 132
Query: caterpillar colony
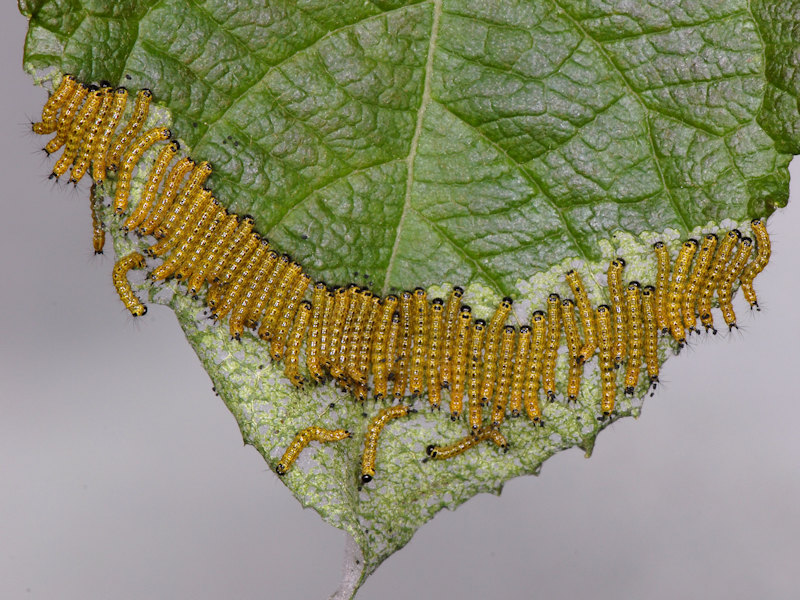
364, 342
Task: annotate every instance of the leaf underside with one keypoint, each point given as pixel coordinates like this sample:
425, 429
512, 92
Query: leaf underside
399, 144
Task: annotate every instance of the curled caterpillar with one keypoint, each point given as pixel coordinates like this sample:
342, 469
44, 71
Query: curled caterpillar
303, 439
134, 260
460, 446
376, 426
764, 248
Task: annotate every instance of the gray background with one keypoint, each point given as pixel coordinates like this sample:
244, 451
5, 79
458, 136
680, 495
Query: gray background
123, 476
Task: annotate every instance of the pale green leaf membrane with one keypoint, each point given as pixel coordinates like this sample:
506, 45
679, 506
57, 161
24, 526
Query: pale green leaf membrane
492, 144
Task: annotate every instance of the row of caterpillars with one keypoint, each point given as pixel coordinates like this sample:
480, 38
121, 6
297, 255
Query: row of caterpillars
362, 341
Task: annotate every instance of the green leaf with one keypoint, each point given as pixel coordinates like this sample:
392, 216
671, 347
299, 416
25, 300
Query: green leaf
489, 143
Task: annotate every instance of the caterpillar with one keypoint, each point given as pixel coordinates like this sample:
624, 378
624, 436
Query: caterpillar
141, 109
196, 207
507, 341
376, 426
573, 348
762, 258
278, 342
436, 338
663, 263
470, 441
177, 211
233, 292
154, 178
633, 305
77, 131
451, 317
381, 378
401, 366
553, 341
492, 343
243, 308
462, 339
129, 161
352, 370
84, 156
303, 439
539, 328
586, 313
338, 316
650, 333
168, 194
64, 123
362, 367
520, 368
731, 274
111, 119
134, 260
697, 280
90, 138
186, 246
279, 296
98, 231
382, 350
54, 103
614, 276
420, 348
475, 413
677, 287
319, 300
202, 244
718, 265
292, 364
608, 375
